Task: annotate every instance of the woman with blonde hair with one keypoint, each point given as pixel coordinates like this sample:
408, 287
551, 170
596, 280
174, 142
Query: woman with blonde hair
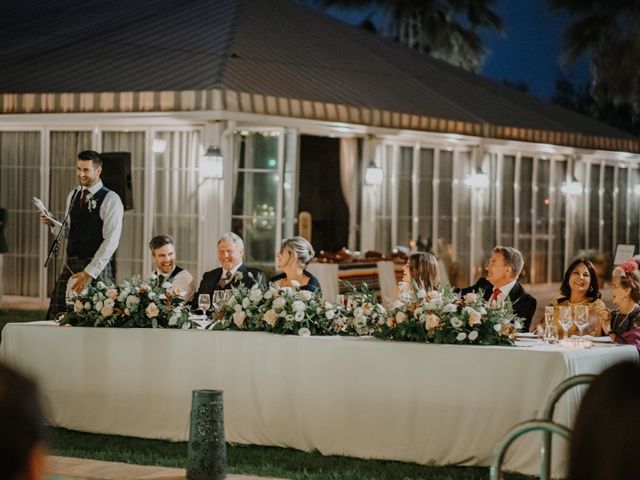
420, 273
294, 255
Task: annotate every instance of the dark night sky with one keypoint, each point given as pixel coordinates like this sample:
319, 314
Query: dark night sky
528, 51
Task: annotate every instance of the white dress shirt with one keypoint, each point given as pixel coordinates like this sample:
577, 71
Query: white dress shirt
505, 290
111, 213
182, 282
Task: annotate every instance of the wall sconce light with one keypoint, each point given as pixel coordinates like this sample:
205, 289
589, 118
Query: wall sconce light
211, 163
373, 174
572, 188
159, 145
477, 179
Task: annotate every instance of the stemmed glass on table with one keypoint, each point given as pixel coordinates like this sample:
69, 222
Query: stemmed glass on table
550, 331
565, 318
581, 317
204, 304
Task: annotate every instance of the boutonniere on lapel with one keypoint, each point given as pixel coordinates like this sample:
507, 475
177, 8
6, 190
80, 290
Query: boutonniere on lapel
237, 277
91, 204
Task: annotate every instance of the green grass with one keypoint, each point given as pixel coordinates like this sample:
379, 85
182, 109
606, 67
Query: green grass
12, 316
254, 460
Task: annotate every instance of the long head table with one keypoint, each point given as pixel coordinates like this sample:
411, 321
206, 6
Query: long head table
359, 397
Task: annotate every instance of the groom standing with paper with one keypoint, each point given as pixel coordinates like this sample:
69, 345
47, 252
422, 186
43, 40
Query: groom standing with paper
94, 225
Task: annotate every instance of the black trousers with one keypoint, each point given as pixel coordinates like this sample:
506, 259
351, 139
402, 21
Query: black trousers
73, 265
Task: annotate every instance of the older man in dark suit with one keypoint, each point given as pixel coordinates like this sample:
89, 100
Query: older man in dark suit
501, 282
232, 271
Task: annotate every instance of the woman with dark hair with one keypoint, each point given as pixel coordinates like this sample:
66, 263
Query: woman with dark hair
606, 428
580, 287
625, 318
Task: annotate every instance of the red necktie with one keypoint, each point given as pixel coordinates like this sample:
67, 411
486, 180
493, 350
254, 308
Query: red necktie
494, 295
83, 197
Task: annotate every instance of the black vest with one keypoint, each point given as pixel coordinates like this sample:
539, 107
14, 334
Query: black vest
169, 278
85, 235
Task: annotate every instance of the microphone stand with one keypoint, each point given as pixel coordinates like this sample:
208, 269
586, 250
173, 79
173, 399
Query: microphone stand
53, 250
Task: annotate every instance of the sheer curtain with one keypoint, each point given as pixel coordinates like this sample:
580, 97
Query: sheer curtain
349, 183
20, 180
64, 148
132, 248
176, 210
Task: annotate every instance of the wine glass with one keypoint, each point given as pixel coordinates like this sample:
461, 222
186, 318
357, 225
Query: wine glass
204, 302
217, 300
581, 317
565, 318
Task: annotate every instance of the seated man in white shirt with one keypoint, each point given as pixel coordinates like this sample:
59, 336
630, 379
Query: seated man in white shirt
164, 258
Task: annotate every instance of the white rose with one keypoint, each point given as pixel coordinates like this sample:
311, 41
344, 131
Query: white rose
279, 303
268, 294
359, 312
166, 285
152, 310
474, 318
517, 324
305, 295
299, 316
87, 305
497, 327
456, 322
433, 295
239, 317
330, 314
173, 319
101, 285
109, 302
421, 294
470, 297
151, 295
270, 317
304, 332
298, 306
400, 317
461, 336
246, 302
450, 308
473, 335
255, 295
99, 306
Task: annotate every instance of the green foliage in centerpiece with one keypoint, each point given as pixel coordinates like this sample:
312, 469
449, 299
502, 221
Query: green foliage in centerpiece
446, 317
138, 302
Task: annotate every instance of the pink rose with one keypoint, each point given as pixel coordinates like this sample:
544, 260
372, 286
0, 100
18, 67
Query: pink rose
112, 293
152, 310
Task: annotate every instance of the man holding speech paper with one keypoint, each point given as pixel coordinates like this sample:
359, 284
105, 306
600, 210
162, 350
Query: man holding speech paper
94, 222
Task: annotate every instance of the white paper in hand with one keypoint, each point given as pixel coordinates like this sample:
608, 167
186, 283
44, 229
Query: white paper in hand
44, 211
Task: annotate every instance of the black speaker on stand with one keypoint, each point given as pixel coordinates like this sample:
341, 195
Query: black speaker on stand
116, 176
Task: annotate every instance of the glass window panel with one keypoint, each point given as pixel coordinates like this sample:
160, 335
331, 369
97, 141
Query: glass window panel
405, 192
507, 220
465, 211
258, 235
425, 197
607, 241
594, 208
634, 208
445, 196
621, 206
557, 232
20, 180
383, 208
526, 204
128, 257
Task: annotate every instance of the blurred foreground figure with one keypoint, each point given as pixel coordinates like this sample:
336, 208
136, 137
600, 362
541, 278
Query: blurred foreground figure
22, 451
608, 427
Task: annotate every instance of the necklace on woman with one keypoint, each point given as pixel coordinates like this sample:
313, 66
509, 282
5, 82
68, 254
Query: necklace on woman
624, 320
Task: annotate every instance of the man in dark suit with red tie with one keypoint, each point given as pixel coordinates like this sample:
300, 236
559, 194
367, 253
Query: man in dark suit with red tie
501, 282
232, 271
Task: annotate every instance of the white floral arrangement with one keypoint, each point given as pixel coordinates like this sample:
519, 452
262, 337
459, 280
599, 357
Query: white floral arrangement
356, 313
446, 317
136, 302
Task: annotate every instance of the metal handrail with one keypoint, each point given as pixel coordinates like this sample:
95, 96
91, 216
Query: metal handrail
547, 414
546, 426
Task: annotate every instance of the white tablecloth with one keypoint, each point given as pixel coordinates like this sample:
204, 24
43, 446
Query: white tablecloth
357, 397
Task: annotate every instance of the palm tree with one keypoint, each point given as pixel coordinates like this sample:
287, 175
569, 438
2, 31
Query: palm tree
445, 29
608, 33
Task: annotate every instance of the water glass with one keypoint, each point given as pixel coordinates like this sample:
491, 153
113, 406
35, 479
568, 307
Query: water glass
204, 302
565, 319
551, 334
581, 317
